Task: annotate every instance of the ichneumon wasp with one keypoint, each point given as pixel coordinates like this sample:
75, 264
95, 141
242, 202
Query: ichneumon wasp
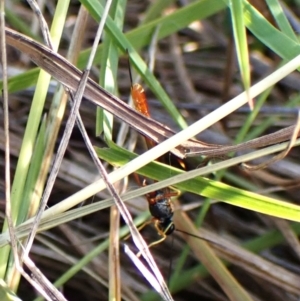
159, 201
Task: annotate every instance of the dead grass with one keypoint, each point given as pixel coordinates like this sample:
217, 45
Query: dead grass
195, 79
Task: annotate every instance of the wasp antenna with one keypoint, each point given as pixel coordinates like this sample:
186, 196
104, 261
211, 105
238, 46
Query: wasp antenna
129, 69
199, 237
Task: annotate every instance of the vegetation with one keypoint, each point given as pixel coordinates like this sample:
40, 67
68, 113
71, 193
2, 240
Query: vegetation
194, 61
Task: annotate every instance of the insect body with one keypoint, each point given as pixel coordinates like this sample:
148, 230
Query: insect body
159, 201
139, 99
161, 209
141, 105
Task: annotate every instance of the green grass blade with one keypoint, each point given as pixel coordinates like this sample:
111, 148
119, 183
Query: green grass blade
109, 69
141, 36
207, 188
22, 81
240, 38
138, 38
34, 119
27, 208
6, 294
145, 35
281, 19
155, 10
271, 37
19, 24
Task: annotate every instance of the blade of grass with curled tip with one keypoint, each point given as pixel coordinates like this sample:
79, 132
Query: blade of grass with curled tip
257, 87
265, 124
204, 123
69, 75
209, 188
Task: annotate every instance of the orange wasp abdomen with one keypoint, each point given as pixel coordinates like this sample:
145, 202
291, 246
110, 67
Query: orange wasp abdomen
141, 105
139, 99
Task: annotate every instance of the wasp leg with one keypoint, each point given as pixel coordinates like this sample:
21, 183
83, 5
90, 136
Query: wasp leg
161, 233
142, 226
153, 244
176, 192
